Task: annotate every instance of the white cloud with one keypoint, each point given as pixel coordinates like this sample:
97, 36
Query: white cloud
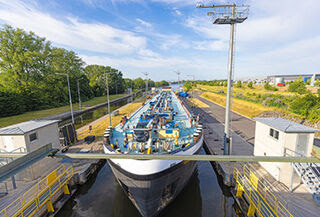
71, 32
144, 23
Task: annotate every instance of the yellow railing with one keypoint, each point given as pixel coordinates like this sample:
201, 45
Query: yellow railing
40, 194
262, 201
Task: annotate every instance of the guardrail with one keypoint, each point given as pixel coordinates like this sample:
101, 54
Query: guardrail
40, 194
261, 200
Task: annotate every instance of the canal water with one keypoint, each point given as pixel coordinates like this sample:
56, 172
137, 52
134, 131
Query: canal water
102, 196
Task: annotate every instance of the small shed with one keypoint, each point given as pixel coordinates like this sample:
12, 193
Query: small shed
29, 135
281, 137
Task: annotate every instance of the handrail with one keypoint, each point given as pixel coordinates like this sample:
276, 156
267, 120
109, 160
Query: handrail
259, 194
38, 195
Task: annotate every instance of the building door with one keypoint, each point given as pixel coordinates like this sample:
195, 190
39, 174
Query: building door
302, 144
8, 143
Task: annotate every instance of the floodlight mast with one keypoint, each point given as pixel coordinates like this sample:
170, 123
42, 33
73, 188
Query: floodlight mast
146, 74
222, 15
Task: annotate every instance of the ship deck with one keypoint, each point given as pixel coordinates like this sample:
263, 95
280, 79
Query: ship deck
179, 124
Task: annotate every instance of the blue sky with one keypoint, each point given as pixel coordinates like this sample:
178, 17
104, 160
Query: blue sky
161, 36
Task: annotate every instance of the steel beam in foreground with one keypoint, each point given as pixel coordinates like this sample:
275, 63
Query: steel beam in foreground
226, 158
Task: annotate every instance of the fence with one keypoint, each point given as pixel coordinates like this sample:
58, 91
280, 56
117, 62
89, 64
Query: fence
40, 194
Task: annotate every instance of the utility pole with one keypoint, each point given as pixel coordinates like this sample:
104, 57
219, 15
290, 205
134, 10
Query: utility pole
107, 85
79, 92
146, 74
70, 99
178, 73
223, 15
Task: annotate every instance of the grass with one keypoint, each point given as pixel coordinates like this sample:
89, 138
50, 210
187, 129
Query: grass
243, 107
99, 127
6, 121
258, 89
198, 103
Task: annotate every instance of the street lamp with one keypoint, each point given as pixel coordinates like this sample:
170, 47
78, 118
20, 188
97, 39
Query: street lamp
70, 99
230, 14
79, 92
107, 84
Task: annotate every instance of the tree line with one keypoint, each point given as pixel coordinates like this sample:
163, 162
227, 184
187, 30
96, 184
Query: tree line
32, 74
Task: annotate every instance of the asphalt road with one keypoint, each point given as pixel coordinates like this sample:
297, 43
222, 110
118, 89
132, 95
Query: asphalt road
241, 125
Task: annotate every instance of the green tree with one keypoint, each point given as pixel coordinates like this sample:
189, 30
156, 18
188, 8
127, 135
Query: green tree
239, 84
298, 86
250, 85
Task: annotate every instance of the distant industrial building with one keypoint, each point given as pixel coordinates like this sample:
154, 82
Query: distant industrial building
276, 79
280, 79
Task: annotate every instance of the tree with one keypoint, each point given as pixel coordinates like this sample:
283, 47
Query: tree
188, 85
298, 86
250, 85
239, 84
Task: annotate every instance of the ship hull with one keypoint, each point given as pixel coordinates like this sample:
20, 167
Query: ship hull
151, 193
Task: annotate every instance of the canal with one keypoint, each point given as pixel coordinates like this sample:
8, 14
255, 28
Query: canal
205, 195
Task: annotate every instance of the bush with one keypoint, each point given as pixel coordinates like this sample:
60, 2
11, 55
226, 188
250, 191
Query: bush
239, 84
303, 105
250, 85
298, 86
267, 86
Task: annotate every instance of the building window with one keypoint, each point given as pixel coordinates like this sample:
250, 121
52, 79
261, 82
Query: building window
33, 137
274, 133
271, 132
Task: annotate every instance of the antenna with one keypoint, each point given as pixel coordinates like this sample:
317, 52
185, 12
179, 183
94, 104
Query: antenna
228, 14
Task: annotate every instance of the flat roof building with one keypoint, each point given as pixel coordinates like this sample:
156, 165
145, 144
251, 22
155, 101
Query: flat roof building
281, 137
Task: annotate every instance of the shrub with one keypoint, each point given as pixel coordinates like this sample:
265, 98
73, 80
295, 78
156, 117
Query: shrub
267, 86
298, 86
239, 84
250, 85
302, 105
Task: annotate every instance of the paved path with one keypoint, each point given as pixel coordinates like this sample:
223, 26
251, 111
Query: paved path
241, 125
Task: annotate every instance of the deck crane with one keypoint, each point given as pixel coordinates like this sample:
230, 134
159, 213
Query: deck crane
228, 14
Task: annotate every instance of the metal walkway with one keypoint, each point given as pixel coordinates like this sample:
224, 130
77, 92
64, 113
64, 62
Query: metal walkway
40, 194
262, 201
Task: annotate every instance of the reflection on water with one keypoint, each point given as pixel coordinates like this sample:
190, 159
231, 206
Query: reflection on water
103, 196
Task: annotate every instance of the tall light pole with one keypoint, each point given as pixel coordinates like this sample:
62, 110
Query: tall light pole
223, 15
70, 99
78, 86
146, 74
107, 84
178, 73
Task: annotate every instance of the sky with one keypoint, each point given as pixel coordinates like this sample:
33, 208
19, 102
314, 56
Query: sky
164, 36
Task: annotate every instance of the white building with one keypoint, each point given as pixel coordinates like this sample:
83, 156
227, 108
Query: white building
278, 137
30, 135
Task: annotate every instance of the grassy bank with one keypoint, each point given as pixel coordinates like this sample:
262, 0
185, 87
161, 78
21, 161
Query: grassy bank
243, 107
99, 126
6, 121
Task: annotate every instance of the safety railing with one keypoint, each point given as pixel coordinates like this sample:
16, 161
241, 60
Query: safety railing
40, 194
261, 199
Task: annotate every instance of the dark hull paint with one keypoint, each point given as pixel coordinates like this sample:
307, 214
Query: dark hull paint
152, 193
